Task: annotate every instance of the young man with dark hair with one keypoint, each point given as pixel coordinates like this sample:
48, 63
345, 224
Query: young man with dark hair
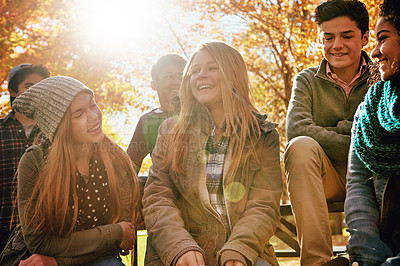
17, 132
166, 77
320, 113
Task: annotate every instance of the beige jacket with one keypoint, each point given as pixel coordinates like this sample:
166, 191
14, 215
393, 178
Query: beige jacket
178, 213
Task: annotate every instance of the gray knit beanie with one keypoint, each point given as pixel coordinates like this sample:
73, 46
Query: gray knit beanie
47, 101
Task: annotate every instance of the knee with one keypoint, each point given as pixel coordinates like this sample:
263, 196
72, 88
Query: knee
300, 151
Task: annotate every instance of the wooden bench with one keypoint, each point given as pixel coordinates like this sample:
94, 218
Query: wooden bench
291, 239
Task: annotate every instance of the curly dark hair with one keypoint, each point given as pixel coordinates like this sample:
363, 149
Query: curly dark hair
353, 9
390, 10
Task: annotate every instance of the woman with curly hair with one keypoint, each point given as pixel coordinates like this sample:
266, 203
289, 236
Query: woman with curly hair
373, 179
212, 196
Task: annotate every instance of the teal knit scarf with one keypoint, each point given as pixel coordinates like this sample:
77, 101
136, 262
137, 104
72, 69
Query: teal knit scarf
377, 136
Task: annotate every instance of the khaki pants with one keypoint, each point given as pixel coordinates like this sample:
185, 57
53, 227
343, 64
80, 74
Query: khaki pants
312, 181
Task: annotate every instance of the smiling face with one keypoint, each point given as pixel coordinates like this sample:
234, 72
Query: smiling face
342, 43
167, 85
205, 81
86, 120
387, 49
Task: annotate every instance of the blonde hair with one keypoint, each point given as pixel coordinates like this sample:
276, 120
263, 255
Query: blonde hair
239, 110
57, 179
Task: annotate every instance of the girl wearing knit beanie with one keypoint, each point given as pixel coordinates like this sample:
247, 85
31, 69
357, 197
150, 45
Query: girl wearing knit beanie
373, 178
77, 191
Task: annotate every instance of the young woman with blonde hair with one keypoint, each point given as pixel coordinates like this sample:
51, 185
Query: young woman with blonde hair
212, 196
77, 191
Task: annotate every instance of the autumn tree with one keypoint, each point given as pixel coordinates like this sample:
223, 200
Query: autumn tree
15, 33
279, 40
47, 32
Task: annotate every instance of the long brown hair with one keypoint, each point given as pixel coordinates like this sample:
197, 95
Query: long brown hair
57, 180
239, 110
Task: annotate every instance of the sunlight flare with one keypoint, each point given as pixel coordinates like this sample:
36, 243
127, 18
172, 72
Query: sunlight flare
122, 25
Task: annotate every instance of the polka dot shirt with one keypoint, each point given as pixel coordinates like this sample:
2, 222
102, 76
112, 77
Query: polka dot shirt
93, 197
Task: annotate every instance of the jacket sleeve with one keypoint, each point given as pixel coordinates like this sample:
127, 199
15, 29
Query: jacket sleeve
137, 149
333, 140
163, 218
78, 260
252, 232
100, 239
362, 213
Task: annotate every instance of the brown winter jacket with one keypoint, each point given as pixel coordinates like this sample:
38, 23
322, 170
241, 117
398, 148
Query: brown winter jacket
178, 213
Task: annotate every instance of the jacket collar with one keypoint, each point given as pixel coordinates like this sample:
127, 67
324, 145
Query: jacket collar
265, 124
9, 116
206, 122
321, 72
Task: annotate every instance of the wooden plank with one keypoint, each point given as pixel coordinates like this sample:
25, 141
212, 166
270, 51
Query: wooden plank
286, 209
290, 253
335, 207
290, 241
291, 227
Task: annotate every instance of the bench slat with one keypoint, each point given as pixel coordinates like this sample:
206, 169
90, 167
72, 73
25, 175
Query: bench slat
286, 210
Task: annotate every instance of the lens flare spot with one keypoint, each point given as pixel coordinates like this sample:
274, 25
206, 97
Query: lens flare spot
234, 192
202, 156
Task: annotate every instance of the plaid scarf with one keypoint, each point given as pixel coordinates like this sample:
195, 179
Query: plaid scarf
214, 172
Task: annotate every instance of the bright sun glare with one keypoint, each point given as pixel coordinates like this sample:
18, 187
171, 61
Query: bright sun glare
123, 25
